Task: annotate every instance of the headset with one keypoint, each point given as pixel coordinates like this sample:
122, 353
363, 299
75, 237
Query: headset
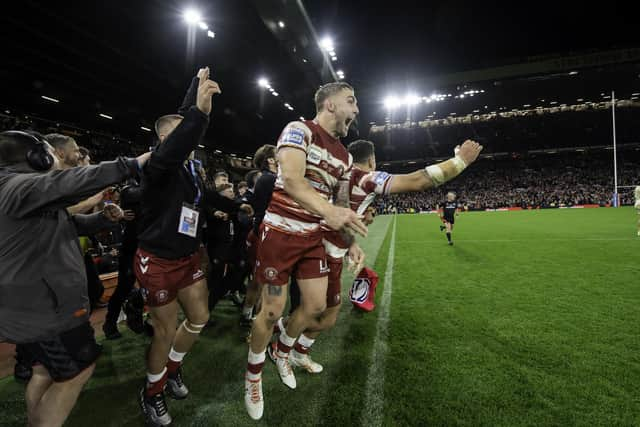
37, 155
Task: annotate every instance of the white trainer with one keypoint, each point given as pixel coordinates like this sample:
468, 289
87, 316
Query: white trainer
283, 365
253, 399
304, 361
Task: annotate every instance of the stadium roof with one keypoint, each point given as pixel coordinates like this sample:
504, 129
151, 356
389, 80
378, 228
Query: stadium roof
130, 60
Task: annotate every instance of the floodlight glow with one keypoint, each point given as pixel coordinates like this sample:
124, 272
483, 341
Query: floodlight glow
211, 34
280, 24
326, 44
203, 25
192, 16
391, 102
262, 82
412, 99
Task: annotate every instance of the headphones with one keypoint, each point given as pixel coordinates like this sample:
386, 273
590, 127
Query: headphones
37, 156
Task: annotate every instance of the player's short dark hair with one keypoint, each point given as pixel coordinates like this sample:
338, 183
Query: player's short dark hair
242, 184
361, 150
221, 173
325, 91
251, 177
262, 154
58, 140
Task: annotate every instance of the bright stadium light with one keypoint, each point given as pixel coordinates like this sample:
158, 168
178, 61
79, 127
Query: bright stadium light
412, 99
326, 44
391, 102
280, 24
263, 82
203, 25
274, 93
192, 16
146, 129
105, 116
211, 34
340, 74
48, 98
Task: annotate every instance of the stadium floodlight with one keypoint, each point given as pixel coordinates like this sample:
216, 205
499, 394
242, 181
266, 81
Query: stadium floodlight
280, 24
274, 93
146, 129
200, 146
326, 44
192, 16
263, 82
412, 99
203, 25
48, 98
211, 34
334, 58
573, 73
391, 102
106, 116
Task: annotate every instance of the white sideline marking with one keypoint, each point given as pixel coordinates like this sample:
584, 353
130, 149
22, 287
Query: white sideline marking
595, 239
372, 414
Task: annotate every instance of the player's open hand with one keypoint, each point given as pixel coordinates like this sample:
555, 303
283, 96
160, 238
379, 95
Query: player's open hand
206, 89
339, 218
469, 151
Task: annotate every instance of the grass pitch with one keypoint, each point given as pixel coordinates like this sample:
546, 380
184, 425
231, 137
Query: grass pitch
531, 318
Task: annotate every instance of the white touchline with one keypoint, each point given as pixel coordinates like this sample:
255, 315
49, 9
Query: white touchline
374, 392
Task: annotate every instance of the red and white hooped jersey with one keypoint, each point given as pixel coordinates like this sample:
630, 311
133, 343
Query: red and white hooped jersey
328, 163
363, 188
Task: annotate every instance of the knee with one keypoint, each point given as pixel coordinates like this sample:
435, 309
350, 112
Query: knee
199, 318
270, 313
315, 309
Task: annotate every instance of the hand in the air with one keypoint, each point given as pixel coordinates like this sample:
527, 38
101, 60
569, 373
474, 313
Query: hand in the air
113, 212
206, 89
468, 151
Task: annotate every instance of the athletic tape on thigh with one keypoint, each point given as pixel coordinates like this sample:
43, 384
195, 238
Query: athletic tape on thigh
192, 328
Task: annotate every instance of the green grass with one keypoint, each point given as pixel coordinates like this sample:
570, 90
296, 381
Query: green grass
531, 318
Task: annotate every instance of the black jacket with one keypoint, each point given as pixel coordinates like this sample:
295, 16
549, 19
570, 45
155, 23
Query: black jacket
168, 183
261, 197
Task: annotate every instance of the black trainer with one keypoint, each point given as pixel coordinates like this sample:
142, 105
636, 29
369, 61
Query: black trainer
154, 409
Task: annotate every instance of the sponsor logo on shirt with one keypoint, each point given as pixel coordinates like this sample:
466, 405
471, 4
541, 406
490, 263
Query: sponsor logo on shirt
293, 136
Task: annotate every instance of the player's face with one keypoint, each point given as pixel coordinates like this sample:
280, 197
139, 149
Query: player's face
345, 110
451, 197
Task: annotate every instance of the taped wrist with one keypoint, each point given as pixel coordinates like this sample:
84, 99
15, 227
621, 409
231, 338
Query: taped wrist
445, 171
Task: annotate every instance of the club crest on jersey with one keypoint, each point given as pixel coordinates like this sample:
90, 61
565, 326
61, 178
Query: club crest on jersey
360, 290
270, 273
293, 136
162, 296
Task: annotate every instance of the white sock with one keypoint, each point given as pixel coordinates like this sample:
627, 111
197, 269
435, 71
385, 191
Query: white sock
247, 312
281, 324
305, 341
256, 358
154, 378
175, 356
286, 340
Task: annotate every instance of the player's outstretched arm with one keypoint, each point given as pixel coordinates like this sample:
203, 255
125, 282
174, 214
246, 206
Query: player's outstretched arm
438, 174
